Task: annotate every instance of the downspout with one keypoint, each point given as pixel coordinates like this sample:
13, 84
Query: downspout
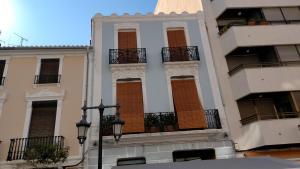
85, 102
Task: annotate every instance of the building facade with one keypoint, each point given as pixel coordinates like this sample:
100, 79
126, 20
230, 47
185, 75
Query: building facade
256, 53
159, 69
42, 90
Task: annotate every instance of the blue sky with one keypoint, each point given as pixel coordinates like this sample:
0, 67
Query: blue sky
59, 22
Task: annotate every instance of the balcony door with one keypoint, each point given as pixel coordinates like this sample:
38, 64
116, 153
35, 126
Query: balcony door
177, 44
130, 98
127, 45
42, 123
187, 105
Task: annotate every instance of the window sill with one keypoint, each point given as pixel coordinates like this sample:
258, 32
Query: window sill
46, 84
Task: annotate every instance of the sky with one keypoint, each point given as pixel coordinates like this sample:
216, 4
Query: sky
58, 22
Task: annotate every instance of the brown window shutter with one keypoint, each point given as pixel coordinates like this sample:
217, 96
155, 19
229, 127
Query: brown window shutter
49, 66
42, 122
131, 40
172, 38
187, 104
176, 38
122, 40
180, 37
130, 98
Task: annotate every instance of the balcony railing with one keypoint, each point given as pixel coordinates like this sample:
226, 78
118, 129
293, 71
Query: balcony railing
262, 65
260, 116
177, 54
43, 79
164, 122
124, 56
19, 146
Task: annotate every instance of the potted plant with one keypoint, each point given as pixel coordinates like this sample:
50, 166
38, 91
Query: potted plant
46, 155
264, 22
169, 121
152, 123
252, 21
107, 125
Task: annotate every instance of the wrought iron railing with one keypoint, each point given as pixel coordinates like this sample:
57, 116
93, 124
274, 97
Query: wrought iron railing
124, 56
164, 122
175, 54
19, 146
2, 81
262, 65
261, 116
50, 78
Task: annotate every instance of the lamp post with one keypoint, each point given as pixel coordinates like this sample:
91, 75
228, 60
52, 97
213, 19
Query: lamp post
83, 125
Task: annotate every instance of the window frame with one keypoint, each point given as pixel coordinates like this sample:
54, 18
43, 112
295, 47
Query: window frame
121, 26
39, 63
176, 25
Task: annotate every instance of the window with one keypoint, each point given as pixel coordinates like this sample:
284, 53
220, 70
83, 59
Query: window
188, 155
2, 67
49, 71
130, 96
42, 123
187, 104
176, 37
131, 161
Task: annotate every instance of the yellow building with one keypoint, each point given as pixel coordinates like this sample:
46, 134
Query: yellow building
41, 93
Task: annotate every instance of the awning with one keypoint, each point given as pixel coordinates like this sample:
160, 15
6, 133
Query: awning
241, 163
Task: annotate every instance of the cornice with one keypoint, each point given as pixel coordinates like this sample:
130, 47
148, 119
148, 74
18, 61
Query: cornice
149, 16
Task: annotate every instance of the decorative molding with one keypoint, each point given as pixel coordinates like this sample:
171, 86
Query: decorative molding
2, 100
124, 71
40, 57
187, 68
176, 24
43, 95
135, 26
165, 137
149, 16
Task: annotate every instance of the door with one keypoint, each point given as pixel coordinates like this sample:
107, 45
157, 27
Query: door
188, 107
130, 98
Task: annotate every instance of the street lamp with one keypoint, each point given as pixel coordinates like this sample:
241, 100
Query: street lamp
83, 126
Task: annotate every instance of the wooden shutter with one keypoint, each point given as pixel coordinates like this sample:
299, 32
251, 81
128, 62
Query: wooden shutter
176, 38
42, 122
127, 40
49, 66
130, 98
187, 104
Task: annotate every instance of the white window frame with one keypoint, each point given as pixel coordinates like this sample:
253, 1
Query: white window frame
39, 62
174, 25
129, 71
7, 60
182, 69
44, 95
119, 26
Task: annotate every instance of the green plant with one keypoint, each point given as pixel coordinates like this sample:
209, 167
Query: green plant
44, 155
168, 119
107, 125
151, 120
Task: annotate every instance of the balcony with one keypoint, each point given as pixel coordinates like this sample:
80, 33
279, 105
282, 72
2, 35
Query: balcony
265, 77
165, 122
219, 6
127, 56
179, 54
47, 78
19, 146
263, 35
